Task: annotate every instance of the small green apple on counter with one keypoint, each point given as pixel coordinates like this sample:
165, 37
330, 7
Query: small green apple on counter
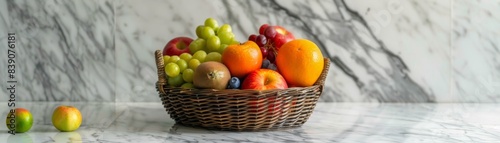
66, 118
19, 120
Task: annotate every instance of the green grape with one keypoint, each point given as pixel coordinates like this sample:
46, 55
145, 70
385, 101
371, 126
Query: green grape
175, 81
187, 75
226, 37
194, 63
182, 65
200, 55
210, 22
213, 56
207, 32
197, 45
187, 85
213, 43
235, 42
165, 59
173, 59
225, 28
198, 30
186, 56
172, 69
215, 30
222, 48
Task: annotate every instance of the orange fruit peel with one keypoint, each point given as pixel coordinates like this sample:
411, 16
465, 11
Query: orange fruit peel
300, 62
242, 59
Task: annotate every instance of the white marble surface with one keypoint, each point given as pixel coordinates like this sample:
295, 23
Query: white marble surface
476, 66
383, 51
330, 122
417, 34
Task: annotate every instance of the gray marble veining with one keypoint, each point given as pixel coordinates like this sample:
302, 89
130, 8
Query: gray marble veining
65, 49
382, 51
330, 122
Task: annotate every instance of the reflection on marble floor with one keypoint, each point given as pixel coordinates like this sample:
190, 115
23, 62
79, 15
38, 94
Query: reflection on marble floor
330, 122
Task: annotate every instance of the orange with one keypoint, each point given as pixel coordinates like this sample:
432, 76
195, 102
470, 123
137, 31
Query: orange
242, 59
300, 62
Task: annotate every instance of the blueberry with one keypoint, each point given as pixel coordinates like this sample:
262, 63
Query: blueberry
272, 67
234, 83
265, 63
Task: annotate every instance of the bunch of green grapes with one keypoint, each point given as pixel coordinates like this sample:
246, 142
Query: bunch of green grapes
212, 40
180, 69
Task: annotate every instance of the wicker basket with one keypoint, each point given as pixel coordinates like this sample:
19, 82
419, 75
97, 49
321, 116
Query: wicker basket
239, 110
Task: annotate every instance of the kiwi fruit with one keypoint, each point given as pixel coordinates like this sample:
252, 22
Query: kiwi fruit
211, 75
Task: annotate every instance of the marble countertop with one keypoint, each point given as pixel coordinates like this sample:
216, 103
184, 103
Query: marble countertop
330, 122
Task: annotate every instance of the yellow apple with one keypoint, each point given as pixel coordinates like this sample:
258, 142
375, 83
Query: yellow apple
66, 118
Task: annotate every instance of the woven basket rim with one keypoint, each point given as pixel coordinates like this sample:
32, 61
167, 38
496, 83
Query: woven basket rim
162, 80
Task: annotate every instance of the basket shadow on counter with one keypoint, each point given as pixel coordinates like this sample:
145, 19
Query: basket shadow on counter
239, 110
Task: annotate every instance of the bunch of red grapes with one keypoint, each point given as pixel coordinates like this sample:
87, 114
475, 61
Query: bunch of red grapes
270, 39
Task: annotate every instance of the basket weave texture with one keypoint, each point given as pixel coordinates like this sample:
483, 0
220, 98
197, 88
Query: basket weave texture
239, 110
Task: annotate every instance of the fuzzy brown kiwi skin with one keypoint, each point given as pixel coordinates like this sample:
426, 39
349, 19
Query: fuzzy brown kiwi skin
211, 75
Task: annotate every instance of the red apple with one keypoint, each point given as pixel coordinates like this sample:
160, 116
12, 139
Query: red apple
263, 79
177, 46
284, 32
283, 36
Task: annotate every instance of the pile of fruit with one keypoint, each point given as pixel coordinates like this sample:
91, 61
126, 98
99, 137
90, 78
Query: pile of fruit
273, 59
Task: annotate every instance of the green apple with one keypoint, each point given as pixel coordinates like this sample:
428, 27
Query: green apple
20, 120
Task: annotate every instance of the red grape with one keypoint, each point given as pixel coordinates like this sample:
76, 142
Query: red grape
264, 51
261, 40
252, 37
269, 40
270, 56
262, 28
270, 32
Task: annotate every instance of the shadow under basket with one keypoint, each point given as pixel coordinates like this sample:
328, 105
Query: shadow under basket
239, 110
